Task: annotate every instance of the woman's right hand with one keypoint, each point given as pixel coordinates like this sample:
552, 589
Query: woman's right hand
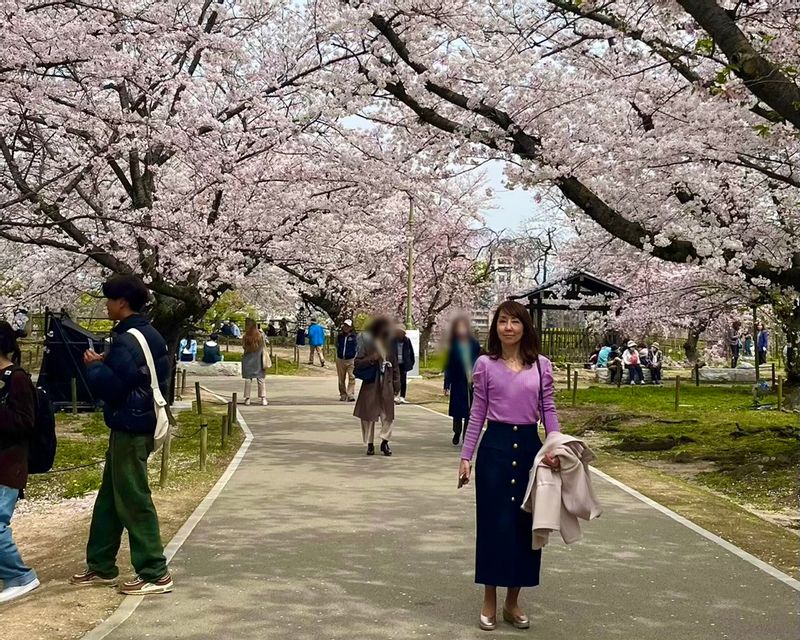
464, 471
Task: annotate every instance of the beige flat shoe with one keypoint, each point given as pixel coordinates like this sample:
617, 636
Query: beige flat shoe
488, 624
520, 622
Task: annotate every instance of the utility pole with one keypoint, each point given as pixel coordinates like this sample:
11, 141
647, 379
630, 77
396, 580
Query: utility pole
410, 266
755, 339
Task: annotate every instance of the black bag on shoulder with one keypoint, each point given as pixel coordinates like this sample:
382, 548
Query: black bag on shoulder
43, 442
367, 373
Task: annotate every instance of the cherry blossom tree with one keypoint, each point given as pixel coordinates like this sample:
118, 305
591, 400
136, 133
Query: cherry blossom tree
671, 125
452, 253
188, 142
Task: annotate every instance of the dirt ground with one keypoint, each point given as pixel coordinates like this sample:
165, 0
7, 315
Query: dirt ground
52, 540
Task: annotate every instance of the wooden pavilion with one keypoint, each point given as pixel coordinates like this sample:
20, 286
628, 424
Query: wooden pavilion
561, 294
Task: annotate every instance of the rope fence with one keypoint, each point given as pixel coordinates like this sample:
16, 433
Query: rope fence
227, 422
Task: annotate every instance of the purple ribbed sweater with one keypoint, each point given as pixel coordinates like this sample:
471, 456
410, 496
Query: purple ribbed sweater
503, 395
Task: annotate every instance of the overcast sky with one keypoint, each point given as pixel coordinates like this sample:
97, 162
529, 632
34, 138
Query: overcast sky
510, 207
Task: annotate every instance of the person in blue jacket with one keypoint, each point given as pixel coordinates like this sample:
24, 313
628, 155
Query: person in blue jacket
316, 340
346, 349
602, 357
187, 349
464, 351
762, 343
121, 379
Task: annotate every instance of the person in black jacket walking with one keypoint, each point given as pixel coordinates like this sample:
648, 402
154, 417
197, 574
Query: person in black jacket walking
464, 351
121, 379
401, 345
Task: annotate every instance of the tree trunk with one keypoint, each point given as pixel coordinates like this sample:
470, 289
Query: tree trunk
787, 313
336, 309
425, 334
696, 329
174, 319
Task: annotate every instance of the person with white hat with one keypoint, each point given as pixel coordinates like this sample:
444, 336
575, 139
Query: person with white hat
346, 348
630, 358
656, 362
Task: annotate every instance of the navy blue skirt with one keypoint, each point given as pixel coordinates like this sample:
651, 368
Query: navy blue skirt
503, 553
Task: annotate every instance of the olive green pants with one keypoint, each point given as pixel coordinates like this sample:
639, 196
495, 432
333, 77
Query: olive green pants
124, 502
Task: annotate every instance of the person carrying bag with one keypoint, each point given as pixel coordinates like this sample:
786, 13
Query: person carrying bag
131, 380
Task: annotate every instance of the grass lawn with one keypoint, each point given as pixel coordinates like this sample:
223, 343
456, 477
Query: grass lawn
82, 441
716, 435
282, 360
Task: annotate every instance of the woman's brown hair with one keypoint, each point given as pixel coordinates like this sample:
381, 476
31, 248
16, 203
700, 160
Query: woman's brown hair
253, 339
530, 345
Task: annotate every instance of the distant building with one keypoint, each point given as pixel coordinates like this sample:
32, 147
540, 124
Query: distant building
511, 271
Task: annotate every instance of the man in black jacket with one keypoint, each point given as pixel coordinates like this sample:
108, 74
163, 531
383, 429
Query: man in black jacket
121, 379
405, 360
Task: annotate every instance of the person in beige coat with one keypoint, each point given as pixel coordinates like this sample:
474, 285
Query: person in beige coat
558, 498
376, 398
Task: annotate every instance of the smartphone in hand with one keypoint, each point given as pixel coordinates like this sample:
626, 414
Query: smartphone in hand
462, 480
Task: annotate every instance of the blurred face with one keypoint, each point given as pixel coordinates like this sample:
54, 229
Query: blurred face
509, 329
461, 330
346, 328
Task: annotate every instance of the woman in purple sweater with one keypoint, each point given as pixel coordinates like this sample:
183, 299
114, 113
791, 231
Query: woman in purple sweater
513, 390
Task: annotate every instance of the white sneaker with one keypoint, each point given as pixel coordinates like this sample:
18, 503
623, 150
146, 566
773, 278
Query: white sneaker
632, 382
247, 402
12, 593
397, 399
403, 401
264, 402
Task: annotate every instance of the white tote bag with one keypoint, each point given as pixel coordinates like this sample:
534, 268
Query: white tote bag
160, 404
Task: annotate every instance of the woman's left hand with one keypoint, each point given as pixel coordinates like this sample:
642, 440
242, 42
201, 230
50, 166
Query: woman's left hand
551, 461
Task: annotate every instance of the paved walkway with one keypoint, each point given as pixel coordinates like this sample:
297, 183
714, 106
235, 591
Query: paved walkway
311, 539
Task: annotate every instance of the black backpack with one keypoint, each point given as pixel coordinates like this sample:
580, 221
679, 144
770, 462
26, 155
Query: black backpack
43, 442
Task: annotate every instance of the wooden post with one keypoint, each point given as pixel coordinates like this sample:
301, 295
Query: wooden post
677, 391
574, 388
774, 383
696, 374
620, 369
199, 399
780, 393
165, 461
232, 419
224, 429
203, 444
227, 344
37, 352
73, 389
569, 376
270, 349
183, 382
275, 364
